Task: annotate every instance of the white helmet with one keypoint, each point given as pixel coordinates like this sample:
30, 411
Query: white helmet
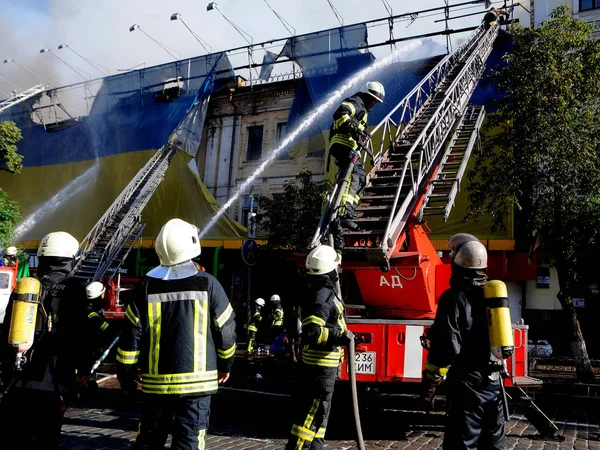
177, 242
375, 89
472, 255
275, 298
58, 243
94, 290
321, 260
457, 241
11, 251
259, 302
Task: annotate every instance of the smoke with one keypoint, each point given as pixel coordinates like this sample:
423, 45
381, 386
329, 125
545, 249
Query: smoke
99, 31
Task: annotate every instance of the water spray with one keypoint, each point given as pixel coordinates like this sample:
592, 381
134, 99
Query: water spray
333, 99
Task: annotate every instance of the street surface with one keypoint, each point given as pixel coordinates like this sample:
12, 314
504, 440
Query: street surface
243, 420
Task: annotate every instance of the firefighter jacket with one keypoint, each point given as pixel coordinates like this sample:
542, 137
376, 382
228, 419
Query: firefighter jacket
100, 332
180, 333
349, 123
323, 327
59, 352
254, 321
459, 335
277, 315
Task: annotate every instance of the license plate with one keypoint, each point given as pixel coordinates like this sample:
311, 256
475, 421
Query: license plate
365, 363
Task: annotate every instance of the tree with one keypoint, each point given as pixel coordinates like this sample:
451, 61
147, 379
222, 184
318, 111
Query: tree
10, 161
541, 153
292, 217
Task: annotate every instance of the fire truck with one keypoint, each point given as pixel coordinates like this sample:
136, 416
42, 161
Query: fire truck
392, 276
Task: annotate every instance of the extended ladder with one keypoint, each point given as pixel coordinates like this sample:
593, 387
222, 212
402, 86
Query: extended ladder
31, 92
410, 150
107, 245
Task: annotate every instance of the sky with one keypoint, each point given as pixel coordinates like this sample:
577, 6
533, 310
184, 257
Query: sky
99, 31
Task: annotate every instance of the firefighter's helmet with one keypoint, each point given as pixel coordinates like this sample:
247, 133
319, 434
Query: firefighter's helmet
471, 255
94, 290
321, 260
11, 251
375, 89
275, 298
58, 243
457, 241
177, 242
260, 302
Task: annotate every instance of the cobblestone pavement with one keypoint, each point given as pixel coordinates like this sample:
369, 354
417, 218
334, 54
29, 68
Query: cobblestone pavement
245, 423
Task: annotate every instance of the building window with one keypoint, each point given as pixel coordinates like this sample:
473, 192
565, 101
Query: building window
585, 5
281, 131
255, 139
246, 208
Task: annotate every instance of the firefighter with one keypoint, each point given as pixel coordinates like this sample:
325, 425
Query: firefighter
276, 316
100, 332
323, 332
253, 324
347, 133
459, 349
180, 332
10, 257
38, 385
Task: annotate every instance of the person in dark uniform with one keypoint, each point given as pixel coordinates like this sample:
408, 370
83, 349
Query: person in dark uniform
349, 129
253, 325
36, 400
180, 332
324, 331
459, 350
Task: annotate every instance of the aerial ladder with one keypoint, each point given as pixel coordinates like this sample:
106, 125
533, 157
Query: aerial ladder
104, 249
18, 98
422, 148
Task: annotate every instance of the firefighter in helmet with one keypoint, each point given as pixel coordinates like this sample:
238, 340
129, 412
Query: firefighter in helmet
254, 323
459, 349
276, 315
38, 383
180, 332
348, 132
324, 331
10, 257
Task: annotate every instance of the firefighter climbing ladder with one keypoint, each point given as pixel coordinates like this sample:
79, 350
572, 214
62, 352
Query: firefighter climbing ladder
107, 245
410, 151
31, 92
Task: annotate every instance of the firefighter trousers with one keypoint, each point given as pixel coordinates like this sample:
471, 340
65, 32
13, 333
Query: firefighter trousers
356, 182
251, 340
475, 416
311, 403
185, 418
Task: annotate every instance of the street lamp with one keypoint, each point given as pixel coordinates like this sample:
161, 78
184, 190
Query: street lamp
9, 60
73, 68
96, 66
202, 42
135, 26
213, 5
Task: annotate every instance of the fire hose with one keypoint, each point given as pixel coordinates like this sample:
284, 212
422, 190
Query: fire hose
352, 372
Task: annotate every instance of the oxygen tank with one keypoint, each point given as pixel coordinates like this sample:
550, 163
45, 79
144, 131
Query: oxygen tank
498, 319
21, 333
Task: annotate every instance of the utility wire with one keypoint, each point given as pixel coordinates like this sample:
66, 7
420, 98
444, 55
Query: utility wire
388, 7
238, 29
78, 71
95, 65
338, 15
163, 46
285, 23
201, 41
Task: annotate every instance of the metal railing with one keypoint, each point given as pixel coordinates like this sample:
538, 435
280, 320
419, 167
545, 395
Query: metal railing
424, 151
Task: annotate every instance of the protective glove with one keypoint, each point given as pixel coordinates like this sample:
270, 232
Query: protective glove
429, 385
129, 386
345, 338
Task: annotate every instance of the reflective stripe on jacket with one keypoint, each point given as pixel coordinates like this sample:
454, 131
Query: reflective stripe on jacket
180, 332
349, 120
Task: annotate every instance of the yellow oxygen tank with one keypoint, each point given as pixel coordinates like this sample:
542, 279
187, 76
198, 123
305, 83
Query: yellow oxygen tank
21, 333
498, 319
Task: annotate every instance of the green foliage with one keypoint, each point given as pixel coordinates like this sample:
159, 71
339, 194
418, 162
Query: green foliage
10, 160
291, 218
541, 153
9, 217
